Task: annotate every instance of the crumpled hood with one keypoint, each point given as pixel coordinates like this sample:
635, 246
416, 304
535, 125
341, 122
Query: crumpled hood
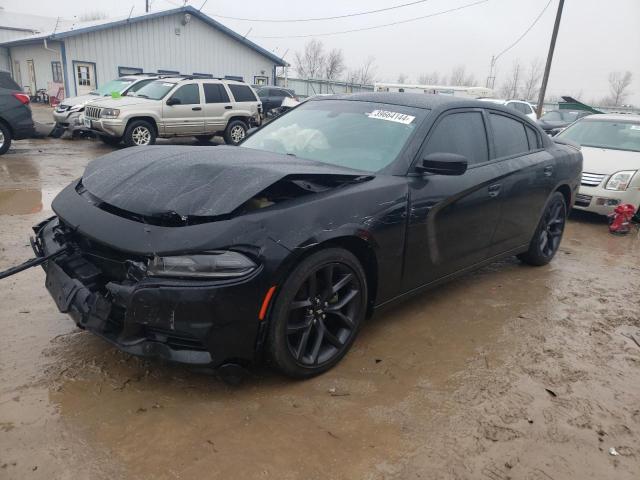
606, 161
81, 100
192, 181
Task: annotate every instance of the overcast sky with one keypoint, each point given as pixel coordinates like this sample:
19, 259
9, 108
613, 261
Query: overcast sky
596, 36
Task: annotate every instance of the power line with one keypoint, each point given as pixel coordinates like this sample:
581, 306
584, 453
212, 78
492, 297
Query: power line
378, 26
273, 20
525, 32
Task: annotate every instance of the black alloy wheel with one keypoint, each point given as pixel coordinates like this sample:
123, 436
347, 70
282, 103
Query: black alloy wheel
318, 313
546, 240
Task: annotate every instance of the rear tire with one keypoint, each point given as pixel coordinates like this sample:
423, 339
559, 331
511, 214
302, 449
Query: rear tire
317, 313
235, 132
5, 138
139, 133
112, 141
548, 235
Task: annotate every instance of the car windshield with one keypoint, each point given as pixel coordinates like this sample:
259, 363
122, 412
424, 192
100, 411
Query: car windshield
359, 135
114, 86
559, 116
618, 135
154, 90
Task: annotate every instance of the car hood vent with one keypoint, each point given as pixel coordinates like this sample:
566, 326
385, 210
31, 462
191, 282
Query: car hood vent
173, 182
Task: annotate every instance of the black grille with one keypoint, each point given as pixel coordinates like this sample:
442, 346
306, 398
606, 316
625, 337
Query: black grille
583, 200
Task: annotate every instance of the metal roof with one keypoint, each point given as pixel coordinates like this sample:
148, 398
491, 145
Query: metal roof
89, 27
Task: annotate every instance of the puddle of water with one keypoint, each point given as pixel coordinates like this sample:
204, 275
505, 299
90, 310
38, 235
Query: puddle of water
25, 201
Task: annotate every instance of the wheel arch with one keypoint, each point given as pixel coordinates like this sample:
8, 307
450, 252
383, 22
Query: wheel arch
565, 190
243, 118
7, 125
151, 120
362, 249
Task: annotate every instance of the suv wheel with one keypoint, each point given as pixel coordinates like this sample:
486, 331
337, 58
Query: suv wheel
139, 132
5, 139
235, 132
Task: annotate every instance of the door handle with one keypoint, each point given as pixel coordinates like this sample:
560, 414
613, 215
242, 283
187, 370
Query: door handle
228, 107
494, 190
196, 109
548, 170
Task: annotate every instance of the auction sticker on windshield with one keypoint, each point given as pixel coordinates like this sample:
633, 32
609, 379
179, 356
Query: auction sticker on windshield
392, 116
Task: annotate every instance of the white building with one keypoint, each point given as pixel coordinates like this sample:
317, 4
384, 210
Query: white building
78, 57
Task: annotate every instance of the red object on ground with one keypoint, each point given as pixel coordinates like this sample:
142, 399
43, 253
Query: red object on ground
620, 219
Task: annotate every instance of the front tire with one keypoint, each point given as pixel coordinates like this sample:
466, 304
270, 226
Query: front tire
546, 239
235, 132
5, 138
139, 133
317, 313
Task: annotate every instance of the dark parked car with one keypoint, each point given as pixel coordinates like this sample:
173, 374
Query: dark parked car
554, 121
272, 97
285, 244
15, 113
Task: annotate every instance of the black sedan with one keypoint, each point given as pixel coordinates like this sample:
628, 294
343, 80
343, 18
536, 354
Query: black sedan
554, 121
283, 246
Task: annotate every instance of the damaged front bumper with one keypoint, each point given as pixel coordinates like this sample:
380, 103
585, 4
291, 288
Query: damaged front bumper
188, 321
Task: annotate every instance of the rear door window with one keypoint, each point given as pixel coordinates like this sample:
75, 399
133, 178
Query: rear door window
509, 135
461, 133
215, 93
188, 94
532, 136
242, 93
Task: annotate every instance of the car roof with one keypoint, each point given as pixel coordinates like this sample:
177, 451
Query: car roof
428, 101
614, 116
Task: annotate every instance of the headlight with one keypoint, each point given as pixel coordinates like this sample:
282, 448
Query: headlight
620, 180
62, 108
210, 265
110, 113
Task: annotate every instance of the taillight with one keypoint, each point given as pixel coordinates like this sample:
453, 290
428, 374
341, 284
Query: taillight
23, 98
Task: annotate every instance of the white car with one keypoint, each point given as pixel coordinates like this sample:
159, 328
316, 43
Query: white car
611, 150
68, 115
518, 105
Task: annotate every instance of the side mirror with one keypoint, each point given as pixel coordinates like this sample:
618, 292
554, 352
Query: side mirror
173, 101
443, 164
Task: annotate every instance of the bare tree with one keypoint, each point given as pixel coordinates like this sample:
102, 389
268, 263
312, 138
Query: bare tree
334, 64
511, 87
618, 86
459, 77
93, 15
402, 78
531, 84
311, 62
432, 78
364, 75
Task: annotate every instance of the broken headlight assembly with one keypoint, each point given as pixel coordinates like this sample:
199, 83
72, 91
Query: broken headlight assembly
227, 264
620, 180
110, 113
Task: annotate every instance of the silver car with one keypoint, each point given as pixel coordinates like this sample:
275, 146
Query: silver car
177, 107
68, 115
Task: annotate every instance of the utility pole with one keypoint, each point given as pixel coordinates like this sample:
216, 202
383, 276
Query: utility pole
547, 68
146, 6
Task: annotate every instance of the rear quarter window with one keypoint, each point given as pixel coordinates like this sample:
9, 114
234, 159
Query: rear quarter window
509, 135
242, 93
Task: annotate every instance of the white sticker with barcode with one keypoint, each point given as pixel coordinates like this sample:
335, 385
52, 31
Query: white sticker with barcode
392, 116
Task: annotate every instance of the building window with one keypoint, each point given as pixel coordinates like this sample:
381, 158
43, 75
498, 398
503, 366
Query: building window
128, 71
260, 80
84, 78
56, 72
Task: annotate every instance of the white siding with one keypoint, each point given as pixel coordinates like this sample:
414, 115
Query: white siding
41, 60
153, 45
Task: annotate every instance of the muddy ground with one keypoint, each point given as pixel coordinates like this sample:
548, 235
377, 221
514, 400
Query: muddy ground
511, 372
